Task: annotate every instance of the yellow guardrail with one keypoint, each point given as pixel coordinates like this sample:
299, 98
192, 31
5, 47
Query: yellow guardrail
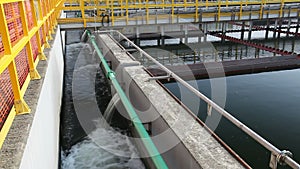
124, 6
26, 26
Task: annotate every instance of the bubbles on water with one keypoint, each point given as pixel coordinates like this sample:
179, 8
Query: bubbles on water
88, 154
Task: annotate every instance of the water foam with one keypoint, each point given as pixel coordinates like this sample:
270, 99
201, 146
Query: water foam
91, 153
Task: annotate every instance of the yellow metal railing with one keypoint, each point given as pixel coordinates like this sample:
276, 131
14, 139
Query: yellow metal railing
123, 6
26, 26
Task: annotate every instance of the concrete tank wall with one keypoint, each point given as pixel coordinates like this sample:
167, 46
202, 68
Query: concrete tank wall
42, 146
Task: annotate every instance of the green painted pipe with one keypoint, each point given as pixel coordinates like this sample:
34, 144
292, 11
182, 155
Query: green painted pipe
148, 143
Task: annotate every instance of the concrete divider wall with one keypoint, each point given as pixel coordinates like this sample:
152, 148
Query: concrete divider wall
42, 148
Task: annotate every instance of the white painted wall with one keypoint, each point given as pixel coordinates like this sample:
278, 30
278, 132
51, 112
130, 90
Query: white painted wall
42, 146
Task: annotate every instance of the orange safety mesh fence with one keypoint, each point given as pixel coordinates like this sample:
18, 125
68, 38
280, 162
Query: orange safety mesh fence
41, 35
6, 97
45, 28
34, 47
14, 23
22, 66
1, 46
29, 14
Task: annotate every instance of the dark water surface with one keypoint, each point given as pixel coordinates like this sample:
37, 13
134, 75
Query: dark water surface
268, 103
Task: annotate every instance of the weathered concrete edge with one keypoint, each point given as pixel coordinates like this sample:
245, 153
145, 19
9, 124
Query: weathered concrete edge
204, 148
14, 145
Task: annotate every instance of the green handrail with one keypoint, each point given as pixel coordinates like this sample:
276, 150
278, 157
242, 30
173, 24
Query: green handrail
147, 141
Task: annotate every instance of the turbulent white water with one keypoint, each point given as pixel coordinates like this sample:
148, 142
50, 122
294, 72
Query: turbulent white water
91, 153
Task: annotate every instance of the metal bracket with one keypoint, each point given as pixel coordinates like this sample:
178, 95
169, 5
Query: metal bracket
21, 107
129, 50
47, 45
34, 74
209, 109
280, 158
159, 78
50, 36
42, 56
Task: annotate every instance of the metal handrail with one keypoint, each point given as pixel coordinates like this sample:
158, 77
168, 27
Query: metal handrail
145, 138
277, 156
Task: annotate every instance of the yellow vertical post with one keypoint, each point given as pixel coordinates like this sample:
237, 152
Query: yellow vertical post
122, 7
112, 13
40, 10
23, 18
140, 4
261, 9
56, 14
147, 11
49, 20
196, 13
82, 12
47, 23
226, 3
241, 10
281, 8
41, 16
97, 7
45, 29
42, 55
33, 11
49, 28
206, 3
172, 11
33, 72
51, 17
127, 17
219, 9
20, 105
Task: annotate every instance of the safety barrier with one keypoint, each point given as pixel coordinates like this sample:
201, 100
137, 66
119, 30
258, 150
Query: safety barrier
26, 26
122, 12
